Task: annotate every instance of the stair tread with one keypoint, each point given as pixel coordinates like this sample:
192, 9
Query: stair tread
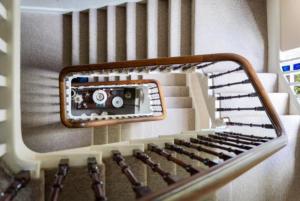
116, 181
77, 184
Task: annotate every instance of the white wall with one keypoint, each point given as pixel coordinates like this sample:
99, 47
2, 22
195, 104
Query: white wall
238, 26
290, 24
67, 5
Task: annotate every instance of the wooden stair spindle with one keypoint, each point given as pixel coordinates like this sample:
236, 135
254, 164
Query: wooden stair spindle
97, 183
238, 141
250, 137
167, 177
139, 189
201, 66
185, 68
181, 66
62, 171
240, 109
223, 142
266, 126
189, 168
247, 81
213, 145
191, 155
224, 134
227, 72
201, 148
20, 181
237, 96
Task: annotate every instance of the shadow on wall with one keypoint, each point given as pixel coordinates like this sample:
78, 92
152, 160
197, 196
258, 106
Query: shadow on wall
282, 169
276, 178
44, 53
235, 26
294, 151
41, 126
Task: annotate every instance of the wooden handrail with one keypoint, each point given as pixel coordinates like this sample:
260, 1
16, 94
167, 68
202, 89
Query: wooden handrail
252, 76
191, 188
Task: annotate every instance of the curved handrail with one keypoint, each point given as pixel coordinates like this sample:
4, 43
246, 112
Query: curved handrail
262, 94
191, 188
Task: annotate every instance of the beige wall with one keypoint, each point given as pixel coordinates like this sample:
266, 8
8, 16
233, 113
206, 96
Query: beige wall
290, 24
235, 26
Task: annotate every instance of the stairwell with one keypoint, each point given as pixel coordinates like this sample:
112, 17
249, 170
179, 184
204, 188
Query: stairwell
146, 29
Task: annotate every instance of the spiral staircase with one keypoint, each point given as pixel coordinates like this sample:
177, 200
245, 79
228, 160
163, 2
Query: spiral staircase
223, 116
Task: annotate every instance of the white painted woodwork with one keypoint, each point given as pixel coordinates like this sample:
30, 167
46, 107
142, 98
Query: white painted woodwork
2, 81
3, 46
3, 12
131, 30
152, 17
174, 27
75, 38
2, 149
93, 35
196, 26
3, 115
111, 33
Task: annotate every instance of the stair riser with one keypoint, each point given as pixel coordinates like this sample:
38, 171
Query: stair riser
174, 91
182, 102
168, 79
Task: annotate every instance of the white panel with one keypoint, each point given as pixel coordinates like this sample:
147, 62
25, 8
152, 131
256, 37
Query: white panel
93, 36
152, 17
131, 31
75, 38
2, 115
3, 46
2, 149
3, 13
175, 27
2, 81
111, 33
196, 24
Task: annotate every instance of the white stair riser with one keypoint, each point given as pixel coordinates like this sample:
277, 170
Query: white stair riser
168, 79
179, 102
167, 126
175, 91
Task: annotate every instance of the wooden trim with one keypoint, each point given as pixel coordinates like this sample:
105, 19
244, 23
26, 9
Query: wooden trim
97, 123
